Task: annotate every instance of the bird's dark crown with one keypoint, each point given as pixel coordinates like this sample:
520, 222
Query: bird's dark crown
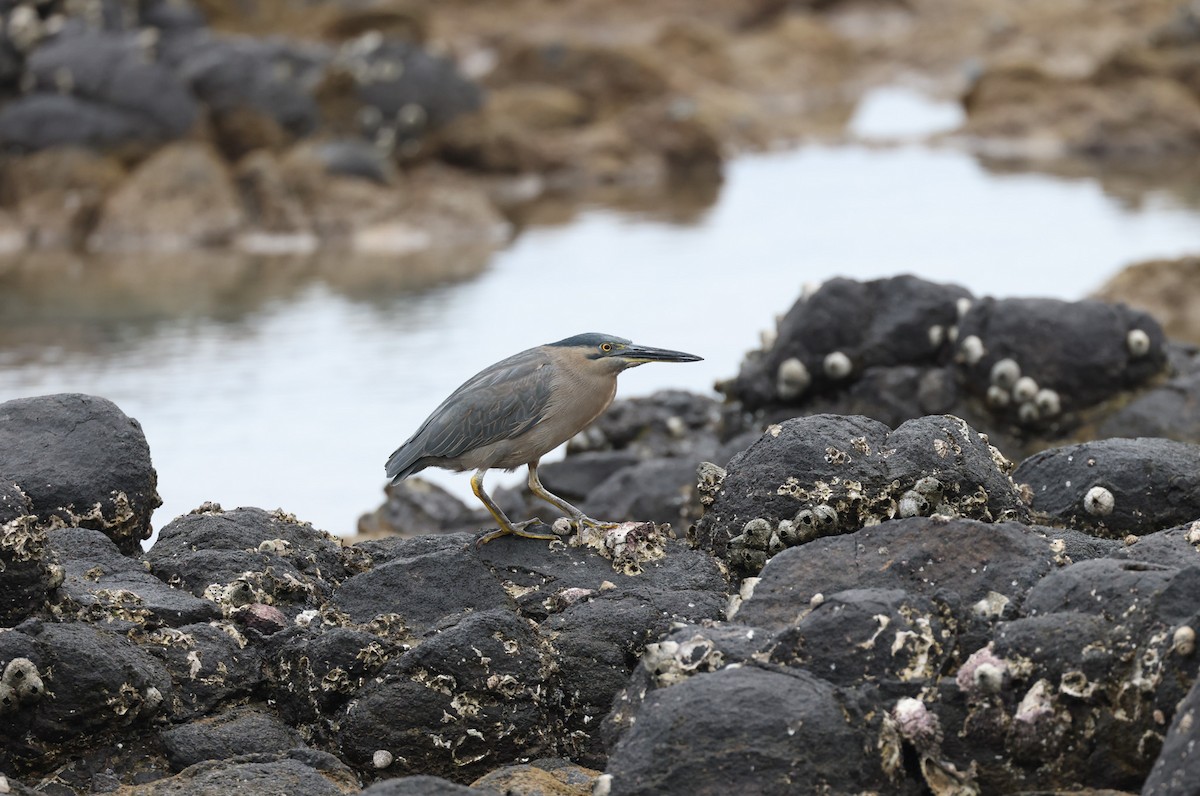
588, 340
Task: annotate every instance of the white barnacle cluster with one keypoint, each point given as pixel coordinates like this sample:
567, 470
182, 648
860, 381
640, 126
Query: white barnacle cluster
21, 684
1008, 387
671, 662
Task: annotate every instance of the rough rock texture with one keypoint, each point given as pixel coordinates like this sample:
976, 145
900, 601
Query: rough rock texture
28, 574
1176, 768
1098, 351
235, 732
1114, 487
824, 475
99, 582
845, 329
741, 729
299, 771
81, 462
966, 657
245, 556
1029, 373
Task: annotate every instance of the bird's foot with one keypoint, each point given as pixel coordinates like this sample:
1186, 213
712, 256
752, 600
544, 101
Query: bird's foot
518, 528
584, 521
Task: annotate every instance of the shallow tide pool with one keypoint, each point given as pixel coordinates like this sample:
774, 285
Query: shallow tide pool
296, 400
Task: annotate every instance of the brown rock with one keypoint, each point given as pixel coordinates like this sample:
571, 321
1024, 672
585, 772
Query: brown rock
1167, 289
270, 205
181, 197
547, 777
56, 194
1113, 114
608, 78
12, 236
241, 130
538, 106
395, 19
490, 141
336, 206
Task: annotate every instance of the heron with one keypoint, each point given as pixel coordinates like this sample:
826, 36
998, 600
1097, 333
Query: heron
518, 410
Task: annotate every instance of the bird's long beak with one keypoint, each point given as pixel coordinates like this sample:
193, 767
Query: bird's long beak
640, 354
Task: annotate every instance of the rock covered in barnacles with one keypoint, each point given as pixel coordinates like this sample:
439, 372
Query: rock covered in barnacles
822, 475
82, 462
846, 328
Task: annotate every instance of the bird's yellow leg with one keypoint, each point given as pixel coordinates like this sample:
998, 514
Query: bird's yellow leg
507, 526
581, 519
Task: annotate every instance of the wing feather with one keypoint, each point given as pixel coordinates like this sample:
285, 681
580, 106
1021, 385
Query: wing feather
501, 402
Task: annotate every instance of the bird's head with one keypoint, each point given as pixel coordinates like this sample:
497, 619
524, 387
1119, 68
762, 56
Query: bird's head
615, 354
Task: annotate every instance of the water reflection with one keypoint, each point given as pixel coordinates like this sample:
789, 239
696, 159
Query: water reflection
286, 382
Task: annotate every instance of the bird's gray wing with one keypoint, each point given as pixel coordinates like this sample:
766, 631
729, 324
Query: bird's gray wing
501, 402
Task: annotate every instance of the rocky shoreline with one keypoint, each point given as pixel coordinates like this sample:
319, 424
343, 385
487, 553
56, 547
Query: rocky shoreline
843, 584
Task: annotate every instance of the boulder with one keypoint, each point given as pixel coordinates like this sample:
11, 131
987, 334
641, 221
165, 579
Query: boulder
256, 91
740, 730
830, 338
248, 555
212, 664
824, 475
102, 585
101, 681
1177, 764
96, 88
1053, 357
392, 91
182, 197
296, 771
416, 506
81, 462
1114, 487
239, 731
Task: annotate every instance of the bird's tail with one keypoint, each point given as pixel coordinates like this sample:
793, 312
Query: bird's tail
404, 462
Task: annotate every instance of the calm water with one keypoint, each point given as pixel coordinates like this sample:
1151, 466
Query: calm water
287, 385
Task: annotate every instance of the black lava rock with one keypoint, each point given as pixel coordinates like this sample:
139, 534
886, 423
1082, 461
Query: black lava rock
1084, 351
269, 77
824, 475
1115, 487
845, 328
297, 771
423, 590
422, 785
410, 91
1178, 764
82, 462
655, 490
102, 585
740, 730
119, 91
246, 556
211, 665
29, 575
239, 731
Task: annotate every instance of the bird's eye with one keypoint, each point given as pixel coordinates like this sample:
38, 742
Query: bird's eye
606, 347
